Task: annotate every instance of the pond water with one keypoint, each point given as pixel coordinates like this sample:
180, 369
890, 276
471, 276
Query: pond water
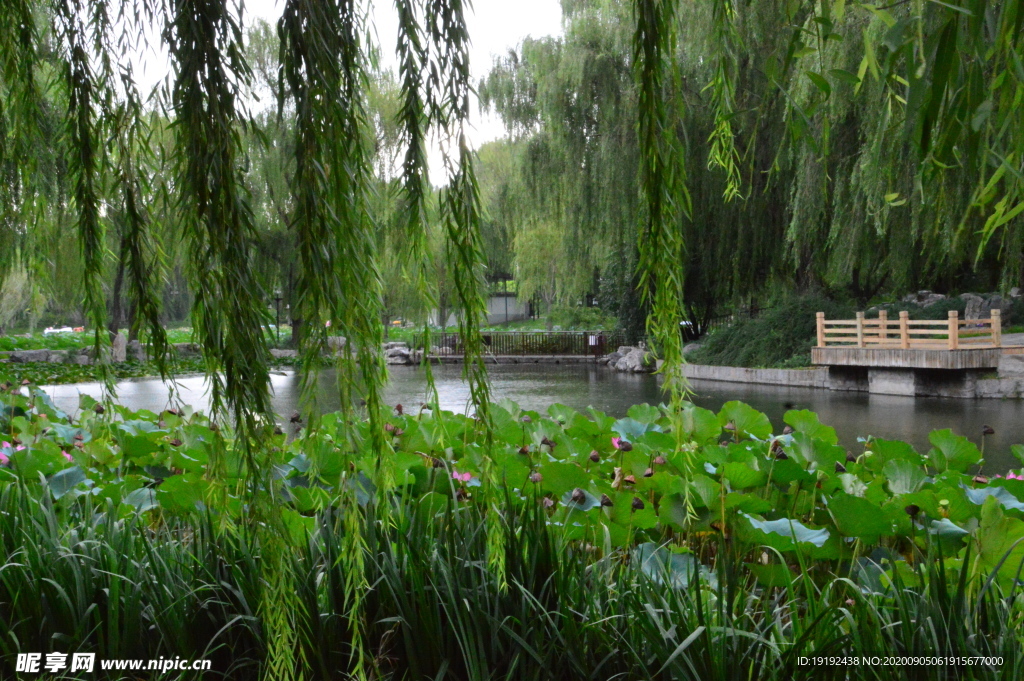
578, 386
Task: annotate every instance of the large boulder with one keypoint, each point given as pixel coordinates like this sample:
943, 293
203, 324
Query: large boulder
398, 354
336, 343
636, 361
30, 356
923, 298
282, 353
137, 351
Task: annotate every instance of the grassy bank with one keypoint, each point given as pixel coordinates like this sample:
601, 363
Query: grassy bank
565, 545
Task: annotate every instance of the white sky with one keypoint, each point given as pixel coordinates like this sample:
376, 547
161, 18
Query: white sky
495, 26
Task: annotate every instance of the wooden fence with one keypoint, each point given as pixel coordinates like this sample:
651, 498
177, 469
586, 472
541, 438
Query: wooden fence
524, 343
904, 333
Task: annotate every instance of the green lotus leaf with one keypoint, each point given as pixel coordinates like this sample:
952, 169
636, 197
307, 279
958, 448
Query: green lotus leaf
806, 422
903, 476
747, 420
858, 517
742, 476
700, 425
952, 451
785, 534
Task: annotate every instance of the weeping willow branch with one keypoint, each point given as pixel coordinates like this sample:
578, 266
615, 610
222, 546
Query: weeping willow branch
662, 249
84, 165
339, 281
228, 313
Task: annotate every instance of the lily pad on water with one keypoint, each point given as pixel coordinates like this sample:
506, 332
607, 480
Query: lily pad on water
783, 534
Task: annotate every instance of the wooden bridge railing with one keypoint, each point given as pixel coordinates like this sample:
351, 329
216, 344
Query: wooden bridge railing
903, 333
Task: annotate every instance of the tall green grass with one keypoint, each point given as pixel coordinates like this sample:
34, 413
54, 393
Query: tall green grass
433, 610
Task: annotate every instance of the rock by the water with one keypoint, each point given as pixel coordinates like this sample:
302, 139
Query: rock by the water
924, 298
30, 356
137, 351
119, 348
282, 353
336, 343
635, 361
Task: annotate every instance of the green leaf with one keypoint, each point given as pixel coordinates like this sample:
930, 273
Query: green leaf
951, 451
1018, 451
559, 477
805, 421
772, 575
1000, 494
820, 82
62, 482
844, 76
785, 534
903, 476
742, 476
141, 499
858, 517
589, 502
701, 425
746, 420
644, 413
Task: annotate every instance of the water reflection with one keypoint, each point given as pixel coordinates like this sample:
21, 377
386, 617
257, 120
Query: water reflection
536, 386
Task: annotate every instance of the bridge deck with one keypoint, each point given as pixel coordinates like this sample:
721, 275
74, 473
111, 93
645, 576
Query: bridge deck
897, 358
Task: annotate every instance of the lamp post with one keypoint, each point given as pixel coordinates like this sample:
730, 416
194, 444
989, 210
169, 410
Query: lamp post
277, 329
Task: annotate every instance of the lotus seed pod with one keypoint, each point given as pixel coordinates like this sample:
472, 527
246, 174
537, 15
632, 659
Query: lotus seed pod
649, 472
594, 456
578, 496
638, 504
606, 500
536, 477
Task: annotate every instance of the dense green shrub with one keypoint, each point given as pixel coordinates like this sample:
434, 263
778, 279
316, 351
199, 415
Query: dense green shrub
780, 336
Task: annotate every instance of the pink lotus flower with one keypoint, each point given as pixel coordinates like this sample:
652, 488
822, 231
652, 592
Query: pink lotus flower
617, 442
68, 456
4, 459
463, 477
1013, 476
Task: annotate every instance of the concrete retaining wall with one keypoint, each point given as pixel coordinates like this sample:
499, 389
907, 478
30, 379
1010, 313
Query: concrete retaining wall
807, 378
909, 382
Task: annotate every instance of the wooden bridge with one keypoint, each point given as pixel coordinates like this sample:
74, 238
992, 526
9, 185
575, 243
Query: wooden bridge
906, 356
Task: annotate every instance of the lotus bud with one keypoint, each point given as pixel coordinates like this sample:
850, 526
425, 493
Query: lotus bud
526, 419
987, 430
524, 450
578, 496
99, 408
606, 500
398, 409
660, 460
536, 477
175, 442
626, 446
980, 480
630, 479
638, 504
912, 510
840, 468
788, 430
649, 472
594, 456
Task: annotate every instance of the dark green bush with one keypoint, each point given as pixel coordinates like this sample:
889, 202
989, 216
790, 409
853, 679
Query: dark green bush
780, 336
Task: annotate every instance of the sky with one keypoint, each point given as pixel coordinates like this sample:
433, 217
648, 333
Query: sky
495, 26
